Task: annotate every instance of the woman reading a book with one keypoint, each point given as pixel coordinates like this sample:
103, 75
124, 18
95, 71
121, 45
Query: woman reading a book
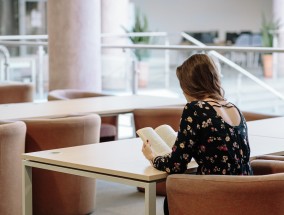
212, 130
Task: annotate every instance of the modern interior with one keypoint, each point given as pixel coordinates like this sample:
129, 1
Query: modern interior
78, 78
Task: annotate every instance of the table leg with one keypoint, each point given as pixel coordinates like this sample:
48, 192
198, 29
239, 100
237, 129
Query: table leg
27, 189
150, 199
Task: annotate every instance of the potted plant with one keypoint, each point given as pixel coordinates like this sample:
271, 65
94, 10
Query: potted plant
268, 30
140, 25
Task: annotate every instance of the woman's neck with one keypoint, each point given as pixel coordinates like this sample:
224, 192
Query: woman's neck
214, 99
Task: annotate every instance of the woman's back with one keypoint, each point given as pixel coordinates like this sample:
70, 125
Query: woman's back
221, 141
218, 147
227, 111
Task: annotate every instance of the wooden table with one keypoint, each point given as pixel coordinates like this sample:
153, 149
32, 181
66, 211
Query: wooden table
105, 105
265, 145
124, 163
272, 127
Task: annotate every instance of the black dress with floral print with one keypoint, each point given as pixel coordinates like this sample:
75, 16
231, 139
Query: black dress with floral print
217, 147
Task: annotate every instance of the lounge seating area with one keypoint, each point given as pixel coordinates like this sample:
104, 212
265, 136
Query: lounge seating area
78, 79
76, 194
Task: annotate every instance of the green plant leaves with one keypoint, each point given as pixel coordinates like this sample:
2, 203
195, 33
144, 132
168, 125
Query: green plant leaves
267, 30
140, 25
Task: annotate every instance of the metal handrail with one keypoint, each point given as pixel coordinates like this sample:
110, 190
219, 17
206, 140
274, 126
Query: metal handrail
23, 37
23, 43
236, 66
136, 34
161, 47
8, 40
198, 47
45, 37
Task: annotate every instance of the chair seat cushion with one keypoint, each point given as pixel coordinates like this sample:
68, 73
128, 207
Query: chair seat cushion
107, 132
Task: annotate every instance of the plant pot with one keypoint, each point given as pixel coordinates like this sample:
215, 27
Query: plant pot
267, 65
143, 73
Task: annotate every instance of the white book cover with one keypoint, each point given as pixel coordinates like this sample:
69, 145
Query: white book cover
161, 138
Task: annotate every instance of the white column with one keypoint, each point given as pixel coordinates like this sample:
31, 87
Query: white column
74, 29
115, 17
116, 63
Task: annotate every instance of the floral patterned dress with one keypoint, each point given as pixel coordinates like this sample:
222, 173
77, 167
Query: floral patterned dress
217, 147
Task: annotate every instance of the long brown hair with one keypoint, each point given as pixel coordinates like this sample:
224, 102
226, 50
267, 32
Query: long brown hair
199, 78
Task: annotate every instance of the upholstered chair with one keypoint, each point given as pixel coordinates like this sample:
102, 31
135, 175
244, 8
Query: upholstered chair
13, 92
58, 193
216, 194
270, 157
264, 166
251, 116
109, 127
12, 145
153, 117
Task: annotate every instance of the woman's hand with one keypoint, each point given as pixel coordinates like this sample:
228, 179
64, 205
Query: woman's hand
147, 151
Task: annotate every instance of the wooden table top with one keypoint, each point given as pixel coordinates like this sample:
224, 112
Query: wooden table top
267, 127
124, 158
265, 145
101, 105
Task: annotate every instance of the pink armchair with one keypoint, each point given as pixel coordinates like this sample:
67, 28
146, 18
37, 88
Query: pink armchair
12, 145
58, 193
109, 127
16, 92
222, 195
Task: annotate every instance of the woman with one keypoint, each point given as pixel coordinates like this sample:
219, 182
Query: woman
212, 130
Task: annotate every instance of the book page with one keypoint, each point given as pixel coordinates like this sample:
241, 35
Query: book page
167, 133
158, 144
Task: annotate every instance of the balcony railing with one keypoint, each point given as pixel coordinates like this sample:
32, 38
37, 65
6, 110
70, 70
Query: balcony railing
164, 57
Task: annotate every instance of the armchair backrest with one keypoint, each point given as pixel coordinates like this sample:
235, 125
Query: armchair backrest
58, 193
12, 145
65, 94
251, 116
109, 129
153, 117
16, 93
222, 195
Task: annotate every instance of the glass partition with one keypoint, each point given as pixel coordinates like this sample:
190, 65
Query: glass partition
243, 77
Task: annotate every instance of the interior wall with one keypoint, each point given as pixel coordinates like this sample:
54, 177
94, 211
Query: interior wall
203, 15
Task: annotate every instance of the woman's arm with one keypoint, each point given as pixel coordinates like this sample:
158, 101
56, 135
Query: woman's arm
182, 151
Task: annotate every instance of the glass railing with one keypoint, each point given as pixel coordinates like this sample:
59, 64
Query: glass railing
27, 61
123, 73
243, 76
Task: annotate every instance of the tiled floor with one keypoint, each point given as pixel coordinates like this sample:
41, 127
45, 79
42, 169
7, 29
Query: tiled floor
119, 199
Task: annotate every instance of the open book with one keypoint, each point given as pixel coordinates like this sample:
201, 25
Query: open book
161, 138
